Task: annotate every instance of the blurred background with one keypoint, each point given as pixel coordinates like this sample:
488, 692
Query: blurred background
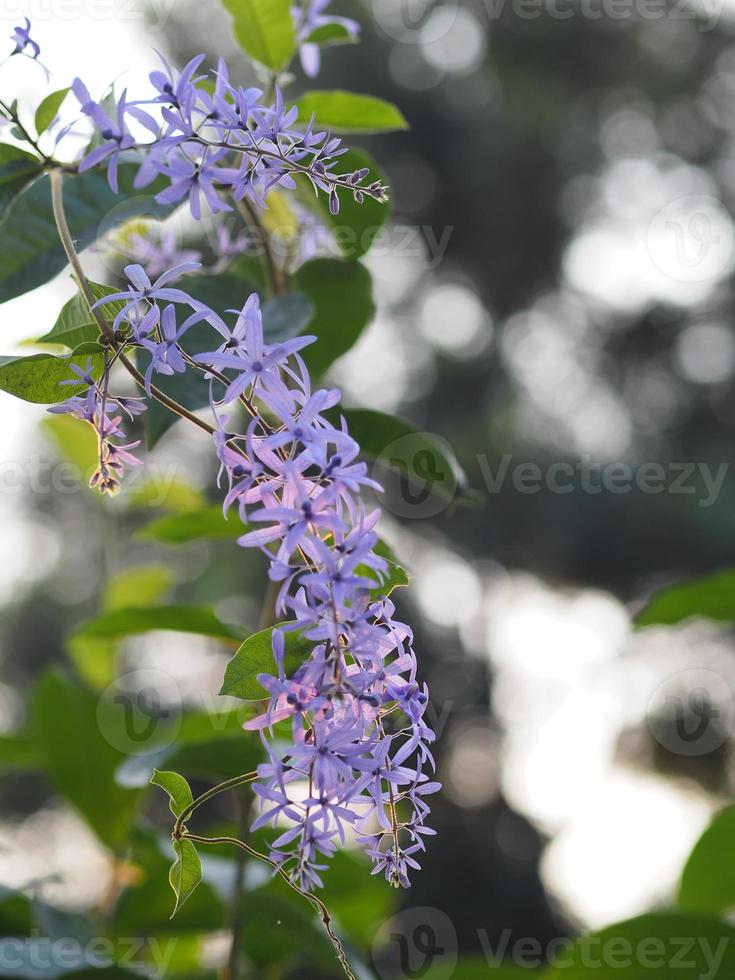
555, 297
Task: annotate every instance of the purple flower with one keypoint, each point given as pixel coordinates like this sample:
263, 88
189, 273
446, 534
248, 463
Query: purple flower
143, 294
309, 18
167, 357
22, 38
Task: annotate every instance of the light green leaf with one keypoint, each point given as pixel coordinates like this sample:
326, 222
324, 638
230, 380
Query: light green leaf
179, 791
69, 725
17, 169
708, 880
659, 946
186, 872
182, 619
75, 440
48, 109
356, 225
348, 112
38, 378
342, 296
176, 496
333, 33
264, 29
137, 586
192, 526
711, 597
75, 324
255, 656
30, 250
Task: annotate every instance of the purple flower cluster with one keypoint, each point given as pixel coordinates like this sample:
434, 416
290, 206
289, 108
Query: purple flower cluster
95, 406
310, 16
216, 142
356, 739
22, 39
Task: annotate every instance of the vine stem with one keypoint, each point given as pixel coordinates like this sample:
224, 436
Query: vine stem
270, 266
317, 903
57, 201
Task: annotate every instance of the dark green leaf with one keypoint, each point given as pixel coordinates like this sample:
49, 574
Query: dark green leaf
286, 316
255, 656
17, 169
342, 296
30, 250
658, 947
264, 30
708, 880
348, 112
398, 445
712, 597
182, 619
71, 727
179, 791
277, 929
75, 324
48, 109
186, 872
38, 378
192, 526
355, 227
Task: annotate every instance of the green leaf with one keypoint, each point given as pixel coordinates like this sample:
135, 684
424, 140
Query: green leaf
708, 880
75, 324
398, 444
48, 109
342, 296
286, 316
179, 791
176, 496
144, 908
277, 929
255, 656
657, 946
711, 597
193, 525
30, 250
182, 619
17, 169
136, 586
68, 723
75, 440
264, 29
356, 225
348, 112
186, 872
38, 378
333, 33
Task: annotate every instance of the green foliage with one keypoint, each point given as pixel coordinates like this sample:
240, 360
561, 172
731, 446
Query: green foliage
396, 442
711, 597
75, 325
255, 656
333, 33
69, 725
348, 112
185, 873
134, 586
708, 880
48, 109
133, 620
192, 526
264, 30
179, 791
658, 946
38, 378
17, 169
342, 296
356, 225
75, 441
30, 250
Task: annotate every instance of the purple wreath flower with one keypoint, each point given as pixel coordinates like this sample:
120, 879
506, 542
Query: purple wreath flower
22, 38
